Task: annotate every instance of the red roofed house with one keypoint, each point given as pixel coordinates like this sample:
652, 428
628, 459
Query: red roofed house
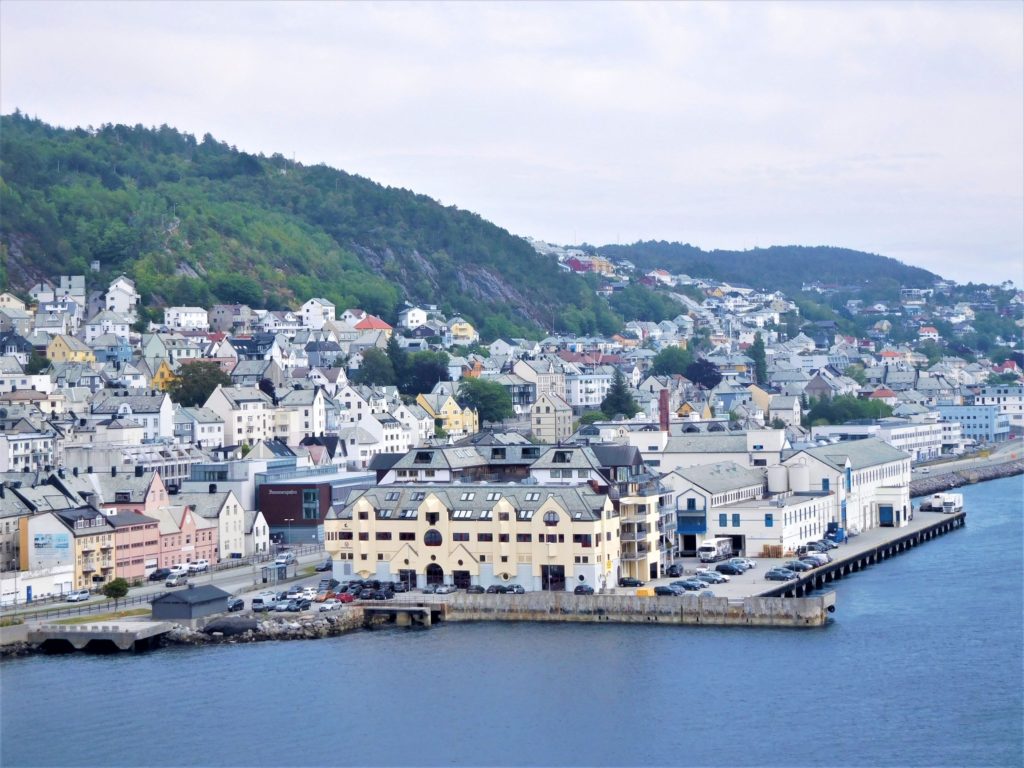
928, 333
884, 394
373, 323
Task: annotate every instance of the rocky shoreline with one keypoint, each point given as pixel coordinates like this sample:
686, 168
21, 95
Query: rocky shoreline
231, 630
925, 486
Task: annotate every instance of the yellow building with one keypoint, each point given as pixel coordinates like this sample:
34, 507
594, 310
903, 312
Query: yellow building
68, 349
541, 537
449, 415
163, 376
82, 537
462, 331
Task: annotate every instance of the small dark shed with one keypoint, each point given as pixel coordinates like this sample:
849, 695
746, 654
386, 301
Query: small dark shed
192, 603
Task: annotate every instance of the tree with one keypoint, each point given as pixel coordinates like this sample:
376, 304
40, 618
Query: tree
760, 362
671, 361
196, 381
376, 369
36, 364
619, 400
115, 589
399, 361
855, 371
704, 373
425, 370
489, 399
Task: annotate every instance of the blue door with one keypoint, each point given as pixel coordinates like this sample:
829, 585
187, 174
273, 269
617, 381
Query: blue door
28, 594
885, 515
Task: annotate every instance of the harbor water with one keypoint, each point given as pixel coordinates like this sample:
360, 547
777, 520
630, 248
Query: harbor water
922, 666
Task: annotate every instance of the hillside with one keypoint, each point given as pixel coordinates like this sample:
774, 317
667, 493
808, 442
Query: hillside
785, 268
197, 221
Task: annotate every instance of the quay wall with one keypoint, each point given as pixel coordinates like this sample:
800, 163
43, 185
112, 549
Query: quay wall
944, 481
689, 609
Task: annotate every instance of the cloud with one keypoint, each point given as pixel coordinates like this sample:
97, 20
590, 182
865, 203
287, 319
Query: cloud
894, 127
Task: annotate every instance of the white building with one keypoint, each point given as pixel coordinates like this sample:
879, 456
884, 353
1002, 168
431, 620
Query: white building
122, 298
922, 440
316, 313
186, 319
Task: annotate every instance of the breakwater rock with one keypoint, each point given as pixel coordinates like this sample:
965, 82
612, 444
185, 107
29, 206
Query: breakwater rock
252, 630
937, 483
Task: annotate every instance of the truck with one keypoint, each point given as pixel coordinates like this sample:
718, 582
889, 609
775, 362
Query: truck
713, 550
944, 502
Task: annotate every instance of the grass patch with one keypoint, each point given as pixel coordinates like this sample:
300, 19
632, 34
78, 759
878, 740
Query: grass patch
11, 621
106, 616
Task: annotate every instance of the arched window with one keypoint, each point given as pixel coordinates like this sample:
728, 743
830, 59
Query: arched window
550, 518
432, 538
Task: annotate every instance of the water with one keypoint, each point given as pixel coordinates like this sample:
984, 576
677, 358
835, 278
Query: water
922, 666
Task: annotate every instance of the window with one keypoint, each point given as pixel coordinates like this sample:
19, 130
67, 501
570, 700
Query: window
524, 538
736, 520
364, 536
462, 514
534, 496
419, 496
485, 515
383, 536
384, 514
503, 516
363, 516
310, 504
432, 538
485, 537
524, 514
406, 536
503, 538
468, 496
408, 514
460, 537
583, 539
493, 496
723, 520
392, 496
551, 518
691, 505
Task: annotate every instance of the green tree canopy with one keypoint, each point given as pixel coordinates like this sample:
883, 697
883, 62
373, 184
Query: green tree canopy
704, 373
844, 408
376, 369
489, 399
671, 361
115, 589
757, 354
425, 370
619, 401
196, 381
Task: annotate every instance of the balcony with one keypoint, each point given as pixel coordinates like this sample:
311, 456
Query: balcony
88, 566
639, 535
632, 555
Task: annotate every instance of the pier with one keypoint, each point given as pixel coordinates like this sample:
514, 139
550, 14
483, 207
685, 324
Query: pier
870, 548
101, 638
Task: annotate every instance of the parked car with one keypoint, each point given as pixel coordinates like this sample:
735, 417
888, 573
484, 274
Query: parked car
516, 589
176, 581
474, 589
160, 574
666, 591
366, 594
797, 566
77, 596
712, 577
301, 604
780, 574
326, 565
583, 589
829, 544
730, 568
818, 558
285, 558
332, 604
199, 566
344, 597
690, 585
262, 602
235, 604
178, 570
675, 570
309, 593
444, 589
282, 605
629, 581
497, 589
384, 594
400, 586
429, 589
744, 562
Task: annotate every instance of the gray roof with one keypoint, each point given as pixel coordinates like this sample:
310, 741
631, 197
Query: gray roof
722, 477
712, 442
869, 452
193, 595
579, 501
206, 505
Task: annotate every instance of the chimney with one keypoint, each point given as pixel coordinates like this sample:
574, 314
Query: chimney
213, 487
88, 470
663, 410
2, 486
138, 470
74, 471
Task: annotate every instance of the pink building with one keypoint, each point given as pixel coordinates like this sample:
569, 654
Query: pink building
185, 536
136, 545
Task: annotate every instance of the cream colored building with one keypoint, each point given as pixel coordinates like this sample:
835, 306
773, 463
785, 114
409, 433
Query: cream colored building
544, 537
449, 415
551, 419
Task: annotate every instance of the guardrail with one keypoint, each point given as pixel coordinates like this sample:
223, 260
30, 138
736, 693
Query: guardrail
80, 609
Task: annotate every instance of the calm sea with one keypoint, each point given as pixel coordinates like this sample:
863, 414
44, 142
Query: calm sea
922, 666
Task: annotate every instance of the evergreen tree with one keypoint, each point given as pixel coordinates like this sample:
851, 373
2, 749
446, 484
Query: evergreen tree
196, 381
704, 373
399, 362
619, 400
376, 369
760, 362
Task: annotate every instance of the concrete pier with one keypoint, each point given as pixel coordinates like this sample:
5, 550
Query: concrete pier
108, 636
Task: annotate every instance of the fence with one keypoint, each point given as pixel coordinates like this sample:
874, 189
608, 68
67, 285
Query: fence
79, 609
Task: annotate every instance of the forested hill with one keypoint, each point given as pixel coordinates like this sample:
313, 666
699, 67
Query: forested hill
784, 268
195, 222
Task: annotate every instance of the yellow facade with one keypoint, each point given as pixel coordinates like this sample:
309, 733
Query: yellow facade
163, 377
68, 349
502, 542
452, 418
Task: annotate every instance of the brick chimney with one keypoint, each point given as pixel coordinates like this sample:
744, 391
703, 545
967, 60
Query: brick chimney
663, 410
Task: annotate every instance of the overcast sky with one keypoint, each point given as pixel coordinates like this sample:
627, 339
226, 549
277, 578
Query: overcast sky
891, 128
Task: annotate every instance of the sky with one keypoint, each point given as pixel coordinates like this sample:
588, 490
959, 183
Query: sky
893, 128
